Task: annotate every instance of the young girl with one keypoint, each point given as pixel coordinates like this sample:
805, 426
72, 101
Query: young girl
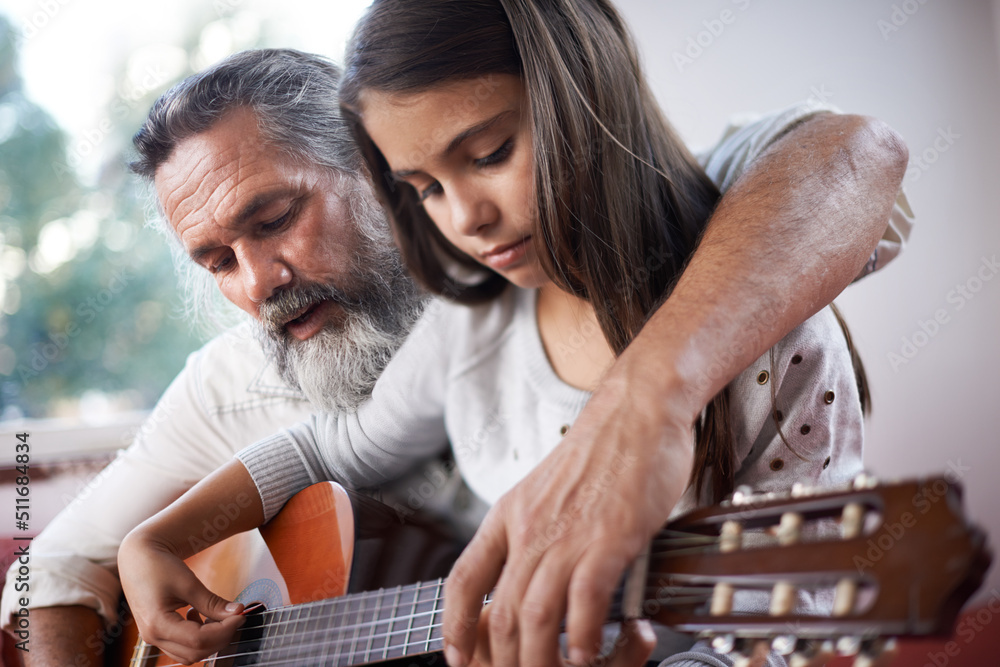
531, 180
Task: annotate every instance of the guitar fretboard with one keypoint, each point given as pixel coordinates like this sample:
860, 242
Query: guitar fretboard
351, 630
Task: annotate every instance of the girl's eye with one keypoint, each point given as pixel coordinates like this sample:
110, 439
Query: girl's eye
497, 156
432, 189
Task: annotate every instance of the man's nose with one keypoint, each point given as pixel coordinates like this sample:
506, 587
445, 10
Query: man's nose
472, 212
263, 273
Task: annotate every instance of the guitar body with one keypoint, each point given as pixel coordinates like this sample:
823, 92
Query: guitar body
326, 542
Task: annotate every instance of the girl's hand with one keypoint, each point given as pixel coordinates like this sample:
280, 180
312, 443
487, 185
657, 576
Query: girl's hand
157, 583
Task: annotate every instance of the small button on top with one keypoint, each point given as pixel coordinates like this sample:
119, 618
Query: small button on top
777, 464
762, 377
563, 429
797, 359
828, 397
805, 429
826, 464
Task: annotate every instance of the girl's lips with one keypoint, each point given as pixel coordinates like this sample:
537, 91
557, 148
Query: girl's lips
311, 321
505, 256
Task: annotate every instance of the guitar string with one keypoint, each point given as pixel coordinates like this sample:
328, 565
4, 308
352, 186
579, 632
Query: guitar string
666, 538
325, 635
431, 645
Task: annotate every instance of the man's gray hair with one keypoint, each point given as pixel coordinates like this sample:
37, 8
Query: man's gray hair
293, 95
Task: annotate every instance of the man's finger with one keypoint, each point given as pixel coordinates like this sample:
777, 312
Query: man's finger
589, 597
471, 579
542, 610
633, 645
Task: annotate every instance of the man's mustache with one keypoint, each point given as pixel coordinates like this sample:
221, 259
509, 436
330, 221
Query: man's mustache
275, 311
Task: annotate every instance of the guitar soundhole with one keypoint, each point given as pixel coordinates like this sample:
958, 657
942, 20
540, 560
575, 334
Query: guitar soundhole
245, 649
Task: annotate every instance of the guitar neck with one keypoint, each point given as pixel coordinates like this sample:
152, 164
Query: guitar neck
355, 629
699, 565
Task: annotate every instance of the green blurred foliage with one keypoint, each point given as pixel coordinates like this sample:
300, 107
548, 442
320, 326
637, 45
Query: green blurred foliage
105, 319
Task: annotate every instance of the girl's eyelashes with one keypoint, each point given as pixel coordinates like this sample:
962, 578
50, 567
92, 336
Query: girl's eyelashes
432, 189
497, 156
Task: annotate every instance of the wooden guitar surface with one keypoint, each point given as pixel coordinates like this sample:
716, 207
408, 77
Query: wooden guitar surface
307, 553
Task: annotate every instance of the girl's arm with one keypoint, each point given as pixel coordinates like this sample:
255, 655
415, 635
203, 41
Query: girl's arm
156, 580
785, 240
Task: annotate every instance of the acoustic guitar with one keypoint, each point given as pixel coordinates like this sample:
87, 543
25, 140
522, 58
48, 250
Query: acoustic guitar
329, 581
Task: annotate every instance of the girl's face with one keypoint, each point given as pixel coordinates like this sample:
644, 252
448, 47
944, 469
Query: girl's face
465, 146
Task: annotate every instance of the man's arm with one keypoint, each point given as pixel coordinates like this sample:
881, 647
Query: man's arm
73, 559
784, 241
72, 636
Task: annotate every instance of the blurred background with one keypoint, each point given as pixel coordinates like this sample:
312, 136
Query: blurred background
89, 324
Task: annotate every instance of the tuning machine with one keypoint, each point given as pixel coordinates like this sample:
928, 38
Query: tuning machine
876, 653
811, 654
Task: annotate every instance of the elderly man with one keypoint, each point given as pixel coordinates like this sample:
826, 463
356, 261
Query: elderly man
266, 195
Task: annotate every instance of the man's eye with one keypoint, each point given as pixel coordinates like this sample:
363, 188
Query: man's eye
497, 156
221, 265
277, 224
432, 189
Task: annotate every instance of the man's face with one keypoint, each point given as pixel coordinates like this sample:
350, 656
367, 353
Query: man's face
259, 220
277, 234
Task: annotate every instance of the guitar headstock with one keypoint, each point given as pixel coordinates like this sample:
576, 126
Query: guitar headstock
819, 570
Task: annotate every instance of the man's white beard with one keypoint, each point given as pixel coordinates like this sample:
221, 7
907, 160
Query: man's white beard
337, 368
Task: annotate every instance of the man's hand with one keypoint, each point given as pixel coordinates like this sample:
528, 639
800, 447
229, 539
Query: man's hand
784, 241
633, 645
556, 545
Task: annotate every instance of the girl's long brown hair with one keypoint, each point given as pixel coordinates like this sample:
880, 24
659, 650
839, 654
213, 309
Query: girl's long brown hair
621, 203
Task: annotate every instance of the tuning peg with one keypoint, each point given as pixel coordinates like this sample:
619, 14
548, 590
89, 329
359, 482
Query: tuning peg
724, 643
811, 654
864, 481
742, 494
754, 653
848, 645
876, 653
784, 644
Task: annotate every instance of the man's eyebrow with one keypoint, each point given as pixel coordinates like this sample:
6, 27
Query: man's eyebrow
244, 215
457, 140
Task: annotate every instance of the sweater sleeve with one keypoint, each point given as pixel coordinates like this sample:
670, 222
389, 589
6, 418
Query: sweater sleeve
399, 426
701, 655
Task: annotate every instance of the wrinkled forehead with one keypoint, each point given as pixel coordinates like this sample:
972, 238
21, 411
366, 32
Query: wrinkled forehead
216, 171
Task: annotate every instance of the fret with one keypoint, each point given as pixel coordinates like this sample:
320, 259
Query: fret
340, 624
412, 612
315, 629
294, 633
392, 619
323, 635
285, 639
359, 619
434, 609
349, 623
274, 632
422, 617
374, 626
